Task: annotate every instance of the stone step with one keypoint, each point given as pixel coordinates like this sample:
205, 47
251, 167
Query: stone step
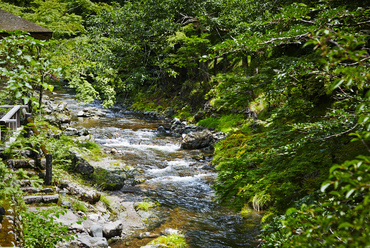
26, 163
35, 199
32, 190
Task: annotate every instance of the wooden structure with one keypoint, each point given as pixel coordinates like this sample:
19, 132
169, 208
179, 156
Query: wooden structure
10, 22
11, 121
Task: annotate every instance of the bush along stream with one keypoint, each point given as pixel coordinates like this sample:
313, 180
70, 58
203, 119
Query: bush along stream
159, 172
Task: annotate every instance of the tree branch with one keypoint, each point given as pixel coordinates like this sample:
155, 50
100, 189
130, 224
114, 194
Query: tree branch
338, 134
355, 63
65, 12
284, 38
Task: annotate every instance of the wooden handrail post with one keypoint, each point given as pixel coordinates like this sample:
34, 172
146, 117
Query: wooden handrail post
49, 169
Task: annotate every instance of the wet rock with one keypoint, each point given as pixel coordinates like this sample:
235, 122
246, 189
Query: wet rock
170, 231
83, 132
96, 230
177, 127
197, 140
69, 131
161, 130
86, 138
2, 211
137, 181
112, 229
145, 235
91, 112
219, 136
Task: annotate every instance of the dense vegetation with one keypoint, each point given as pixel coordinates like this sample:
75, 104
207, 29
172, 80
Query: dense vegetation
289, 81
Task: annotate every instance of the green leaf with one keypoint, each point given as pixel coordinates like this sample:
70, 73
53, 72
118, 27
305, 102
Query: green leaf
345, 225
324, 186
349, 193
291, 210
18, 94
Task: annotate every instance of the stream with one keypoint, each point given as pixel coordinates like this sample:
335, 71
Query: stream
178, 180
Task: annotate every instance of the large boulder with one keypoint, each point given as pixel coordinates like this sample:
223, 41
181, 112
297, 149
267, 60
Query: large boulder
92, 242
112, 229
81, 165
96, 230
197, 140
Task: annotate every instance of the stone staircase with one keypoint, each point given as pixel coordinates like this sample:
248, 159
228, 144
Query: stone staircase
34, 191
34, 194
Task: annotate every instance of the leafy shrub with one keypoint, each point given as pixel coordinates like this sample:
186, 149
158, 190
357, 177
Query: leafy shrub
225, 123
41, 230
338, 218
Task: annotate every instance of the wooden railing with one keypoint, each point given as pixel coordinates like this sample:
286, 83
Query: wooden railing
11, 121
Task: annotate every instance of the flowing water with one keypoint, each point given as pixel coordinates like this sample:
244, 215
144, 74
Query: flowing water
179, 180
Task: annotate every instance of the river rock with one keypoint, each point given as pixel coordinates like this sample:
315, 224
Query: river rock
63, 118
87, 195
91, 112
112, 229
197, 140
70, 131
161, 130
170, 231
96, 230
146, 235
177, 127
81, 165
113, 182
92, 242
66, 204
169, 112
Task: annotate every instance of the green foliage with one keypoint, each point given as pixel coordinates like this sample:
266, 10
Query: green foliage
93, 147
23, 67
8, 189
144, 206
336, 219
174, 240
79, 205
41, 229
225, 123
